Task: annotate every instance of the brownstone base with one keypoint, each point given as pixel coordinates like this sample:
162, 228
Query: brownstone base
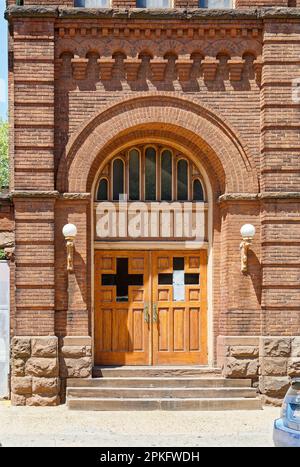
270, 362
34, 370
40, 366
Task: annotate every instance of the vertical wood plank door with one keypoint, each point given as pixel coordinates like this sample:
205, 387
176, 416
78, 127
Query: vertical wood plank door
179, 307
122, 295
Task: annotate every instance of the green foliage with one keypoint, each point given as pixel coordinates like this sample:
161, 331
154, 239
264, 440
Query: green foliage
2, 254
4, 163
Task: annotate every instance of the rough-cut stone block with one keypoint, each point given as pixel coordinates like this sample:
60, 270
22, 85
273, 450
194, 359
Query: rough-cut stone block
76, 368
244, 351
21, 347
41, 401
44, 347
88, 351
274, 386
16, 399
235, 368
266, 400
273, 366
47, 367
293, 369
275, 347
21, 385
6, 239
45, 386
18, 367
73, 351
295, 347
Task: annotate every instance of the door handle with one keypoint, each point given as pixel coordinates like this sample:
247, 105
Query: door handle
155, 314
146, 313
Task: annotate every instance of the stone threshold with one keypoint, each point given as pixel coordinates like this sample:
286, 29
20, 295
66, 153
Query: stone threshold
155, 14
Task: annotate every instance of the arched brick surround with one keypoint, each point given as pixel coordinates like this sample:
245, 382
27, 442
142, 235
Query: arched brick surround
202, 131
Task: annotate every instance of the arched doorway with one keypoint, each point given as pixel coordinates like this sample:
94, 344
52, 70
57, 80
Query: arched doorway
207, 139
151, 239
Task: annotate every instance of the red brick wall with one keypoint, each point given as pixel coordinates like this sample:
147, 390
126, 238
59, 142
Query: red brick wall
58, 89
262, 3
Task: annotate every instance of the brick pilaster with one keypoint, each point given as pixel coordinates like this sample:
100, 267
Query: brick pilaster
33, 104
34, 256
280, 146
73, 289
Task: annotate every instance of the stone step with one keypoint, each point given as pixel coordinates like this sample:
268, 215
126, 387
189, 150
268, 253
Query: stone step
155, 371
164, 404
161, 393
160, 382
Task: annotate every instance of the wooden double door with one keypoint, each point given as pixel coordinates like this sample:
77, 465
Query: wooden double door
150, 307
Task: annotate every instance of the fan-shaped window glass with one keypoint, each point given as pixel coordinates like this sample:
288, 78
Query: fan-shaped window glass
182, 180
198, 194
134, 175
102, 194
150, 174
166, 176
118, 179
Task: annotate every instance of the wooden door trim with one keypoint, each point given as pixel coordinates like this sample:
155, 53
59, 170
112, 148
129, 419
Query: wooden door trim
147, 245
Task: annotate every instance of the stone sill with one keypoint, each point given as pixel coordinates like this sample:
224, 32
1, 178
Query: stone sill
155, 14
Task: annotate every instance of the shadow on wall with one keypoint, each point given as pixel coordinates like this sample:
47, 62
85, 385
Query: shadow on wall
255, 273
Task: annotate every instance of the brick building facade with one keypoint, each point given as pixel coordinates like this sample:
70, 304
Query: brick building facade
214, 85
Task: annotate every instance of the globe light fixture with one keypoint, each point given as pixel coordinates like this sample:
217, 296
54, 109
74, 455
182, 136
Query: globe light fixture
247, 233
70, 232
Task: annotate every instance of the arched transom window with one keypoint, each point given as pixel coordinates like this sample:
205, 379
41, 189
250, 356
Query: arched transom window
150, 173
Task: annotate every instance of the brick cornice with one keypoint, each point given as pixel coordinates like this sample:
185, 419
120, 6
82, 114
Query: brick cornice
49, 194
75, 196
155, 14
272, 195
34, 194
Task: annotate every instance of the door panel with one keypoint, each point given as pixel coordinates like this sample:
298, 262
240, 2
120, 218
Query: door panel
121, 333
173, 331
179, 333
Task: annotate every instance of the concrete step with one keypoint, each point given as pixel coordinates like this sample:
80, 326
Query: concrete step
158, 382
160, 393
157, 371
164, 404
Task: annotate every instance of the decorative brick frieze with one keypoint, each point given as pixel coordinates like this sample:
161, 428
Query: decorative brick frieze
184, 68
158, 68
132, 66
236, 67
79, 67
209, 68
35, 371
106, 66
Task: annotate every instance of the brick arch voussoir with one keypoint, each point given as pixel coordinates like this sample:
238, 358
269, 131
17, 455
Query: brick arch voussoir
177, 113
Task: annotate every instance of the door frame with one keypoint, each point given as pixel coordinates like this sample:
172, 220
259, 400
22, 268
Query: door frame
95, 245
152, 255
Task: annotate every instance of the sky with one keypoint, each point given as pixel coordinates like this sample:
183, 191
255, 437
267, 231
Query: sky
3, 62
